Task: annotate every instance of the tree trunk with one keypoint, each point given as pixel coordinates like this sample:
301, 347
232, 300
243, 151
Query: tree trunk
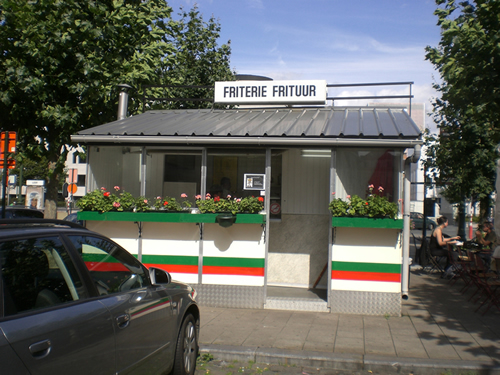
51, 197
497, 202
461, 219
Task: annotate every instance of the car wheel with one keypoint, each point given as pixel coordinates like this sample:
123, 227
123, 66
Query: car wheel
431, 226
186, 350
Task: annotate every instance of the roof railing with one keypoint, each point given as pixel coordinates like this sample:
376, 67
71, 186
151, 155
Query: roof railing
409, 96
172, 88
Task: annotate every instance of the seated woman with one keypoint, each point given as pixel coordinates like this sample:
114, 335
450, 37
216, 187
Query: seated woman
438, 243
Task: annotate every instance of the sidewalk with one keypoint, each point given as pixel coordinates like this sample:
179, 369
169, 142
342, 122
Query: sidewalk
438, 333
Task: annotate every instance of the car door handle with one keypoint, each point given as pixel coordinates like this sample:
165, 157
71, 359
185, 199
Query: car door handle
123, 320
40, 349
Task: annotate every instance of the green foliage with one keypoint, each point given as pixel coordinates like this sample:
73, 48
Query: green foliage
103, 201
250, 205
462, 157
166, 204
62, 61
97, 200
199, 61
375, 205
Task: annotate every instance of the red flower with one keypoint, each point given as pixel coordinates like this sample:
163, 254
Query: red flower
216, 199
165, 203
107, 194
260, 199
366, 203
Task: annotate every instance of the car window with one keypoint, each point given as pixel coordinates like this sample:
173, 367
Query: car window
113, 269
37, 273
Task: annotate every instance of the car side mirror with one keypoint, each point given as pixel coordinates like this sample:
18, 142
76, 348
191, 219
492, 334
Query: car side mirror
159, 276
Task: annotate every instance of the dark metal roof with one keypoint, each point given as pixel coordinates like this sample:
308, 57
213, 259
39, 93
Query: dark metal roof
275, 125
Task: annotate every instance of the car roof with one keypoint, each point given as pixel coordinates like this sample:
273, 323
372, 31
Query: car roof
29, 226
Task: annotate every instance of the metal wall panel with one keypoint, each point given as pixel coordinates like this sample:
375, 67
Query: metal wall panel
365, 303
231, 296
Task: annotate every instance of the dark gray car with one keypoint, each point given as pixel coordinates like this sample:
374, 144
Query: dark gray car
73, 301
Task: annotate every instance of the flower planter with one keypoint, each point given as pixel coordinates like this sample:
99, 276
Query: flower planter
366, 222
167, 217
225, 220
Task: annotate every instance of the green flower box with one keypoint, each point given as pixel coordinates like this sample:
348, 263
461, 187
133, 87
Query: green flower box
167, 217
366, 222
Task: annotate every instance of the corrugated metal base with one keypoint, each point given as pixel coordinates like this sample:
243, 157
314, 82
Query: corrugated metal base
365, 303
232, 296
297, 304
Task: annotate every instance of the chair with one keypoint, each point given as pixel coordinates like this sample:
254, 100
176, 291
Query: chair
488, 285
434, 261
458, 265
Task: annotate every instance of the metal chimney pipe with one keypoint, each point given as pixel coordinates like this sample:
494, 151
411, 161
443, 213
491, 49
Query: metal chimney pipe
123, 100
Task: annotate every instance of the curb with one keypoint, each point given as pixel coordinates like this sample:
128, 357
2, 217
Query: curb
352, 362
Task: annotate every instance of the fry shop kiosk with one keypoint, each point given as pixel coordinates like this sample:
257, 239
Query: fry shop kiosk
278, 142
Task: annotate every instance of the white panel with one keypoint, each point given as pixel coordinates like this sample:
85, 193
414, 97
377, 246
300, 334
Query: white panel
170, 247
366, 286
171, 231
367, 245
233, 280
364, 254
185, 277
237, 241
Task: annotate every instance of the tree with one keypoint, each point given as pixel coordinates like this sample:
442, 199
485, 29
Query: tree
62, 61
463, 156
198, 63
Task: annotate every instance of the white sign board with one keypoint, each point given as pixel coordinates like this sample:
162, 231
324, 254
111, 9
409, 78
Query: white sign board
35, 182
271, 92
254, 181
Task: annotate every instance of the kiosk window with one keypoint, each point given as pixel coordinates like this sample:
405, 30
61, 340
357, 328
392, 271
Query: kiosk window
359, 168
226, 171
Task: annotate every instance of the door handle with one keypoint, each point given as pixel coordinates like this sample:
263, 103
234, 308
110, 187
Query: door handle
40, 349
123, 320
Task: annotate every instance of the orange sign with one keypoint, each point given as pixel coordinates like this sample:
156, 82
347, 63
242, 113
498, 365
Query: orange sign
11, 143
11, 163
72, 188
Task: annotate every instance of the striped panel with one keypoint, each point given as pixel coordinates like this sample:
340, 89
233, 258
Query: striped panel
366, 271
103, 263
172, 263
233, 266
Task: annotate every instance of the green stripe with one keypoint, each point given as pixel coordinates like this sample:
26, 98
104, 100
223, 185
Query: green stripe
166, 217
366, 267
170, 259
234, 262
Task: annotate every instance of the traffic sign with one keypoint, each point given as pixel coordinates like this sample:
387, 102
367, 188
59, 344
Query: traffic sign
11, 163
72, 188
73, 175
8, 138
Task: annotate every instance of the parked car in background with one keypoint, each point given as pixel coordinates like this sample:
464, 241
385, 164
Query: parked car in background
73, 217
20, 212
417, 221
73, 301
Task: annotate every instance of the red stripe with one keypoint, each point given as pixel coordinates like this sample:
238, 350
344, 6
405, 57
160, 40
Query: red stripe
106, 267
175, 268
366, 276
218, 270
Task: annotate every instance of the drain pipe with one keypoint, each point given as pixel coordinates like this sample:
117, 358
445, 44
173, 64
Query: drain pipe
406, 221
123, 100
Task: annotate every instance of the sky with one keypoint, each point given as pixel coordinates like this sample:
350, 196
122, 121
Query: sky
340, 41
